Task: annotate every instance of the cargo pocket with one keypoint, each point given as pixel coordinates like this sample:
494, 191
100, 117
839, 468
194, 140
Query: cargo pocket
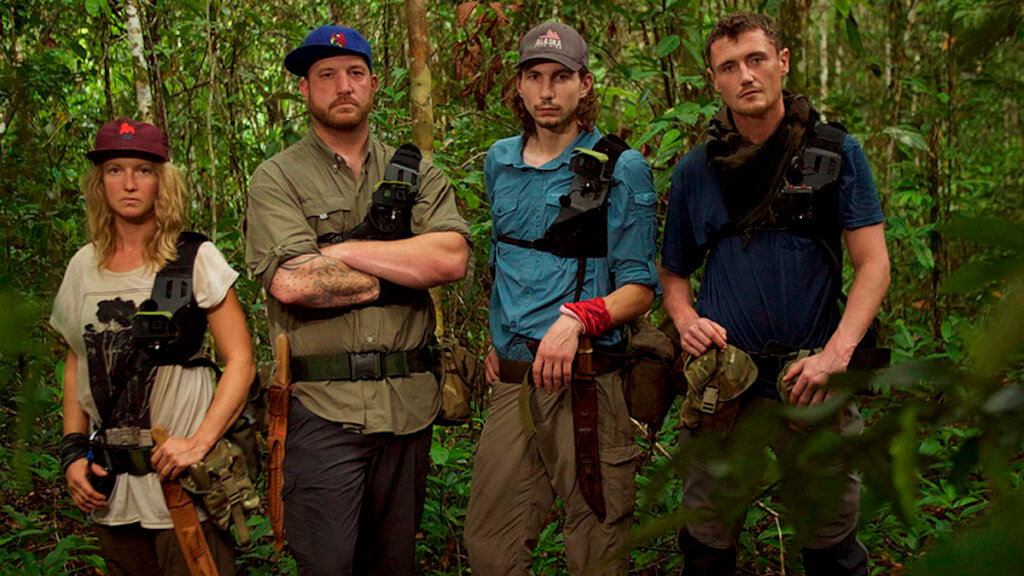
618, 480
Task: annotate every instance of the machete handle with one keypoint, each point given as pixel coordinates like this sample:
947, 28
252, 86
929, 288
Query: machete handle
159, 434
282, 364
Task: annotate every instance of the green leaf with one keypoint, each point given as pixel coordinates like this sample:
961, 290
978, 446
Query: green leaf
439, 454
977, 275
853, 34
667, 45
995, 232
1009, 399
92, 7
1003, 336
908, 137
923, 254
904, 463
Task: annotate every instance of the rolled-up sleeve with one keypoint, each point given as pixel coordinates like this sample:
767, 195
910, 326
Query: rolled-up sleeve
435, 209
632, 223
276, 228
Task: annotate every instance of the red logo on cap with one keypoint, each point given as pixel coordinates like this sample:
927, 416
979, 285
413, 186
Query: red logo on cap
549, 39
338, 40
126, 128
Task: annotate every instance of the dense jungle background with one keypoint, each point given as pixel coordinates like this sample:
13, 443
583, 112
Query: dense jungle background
932, 89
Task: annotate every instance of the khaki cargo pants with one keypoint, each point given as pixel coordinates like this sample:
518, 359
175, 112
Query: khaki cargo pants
516, 479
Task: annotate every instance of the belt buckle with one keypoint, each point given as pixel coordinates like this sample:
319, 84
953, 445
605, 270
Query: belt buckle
365, 366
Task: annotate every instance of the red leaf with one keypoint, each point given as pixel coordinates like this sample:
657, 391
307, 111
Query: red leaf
463, 11
497, 7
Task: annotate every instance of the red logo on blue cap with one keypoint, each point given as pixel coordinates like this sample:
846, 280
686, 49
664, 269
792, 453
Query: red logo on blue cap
338, 39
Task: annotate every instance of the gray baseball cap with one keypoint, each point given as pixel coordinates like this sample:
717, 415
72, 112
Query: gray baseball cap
554, 41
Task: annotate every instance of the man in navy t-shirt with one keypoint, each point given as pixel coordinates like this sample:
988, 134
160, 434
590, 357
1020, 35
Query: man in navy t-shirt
767, 282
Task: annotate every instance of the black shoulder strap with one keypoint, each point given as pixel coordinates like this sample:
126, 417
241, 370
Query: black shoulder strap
612, 147
404, 166
560, 234
172, 288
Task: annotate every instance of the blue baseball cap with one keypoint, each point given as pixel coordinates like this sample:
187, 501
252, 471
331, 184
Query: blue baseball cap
324, 42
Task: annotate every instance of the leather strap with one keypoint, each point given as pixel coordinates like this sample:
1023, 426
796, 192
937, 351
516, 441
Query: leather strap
516, 370
280, 400
362, 366
584, 419
186, 522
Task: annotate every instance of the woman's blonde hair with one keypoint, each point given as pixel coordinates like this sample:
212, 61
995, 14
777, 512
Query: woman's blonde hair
161, 248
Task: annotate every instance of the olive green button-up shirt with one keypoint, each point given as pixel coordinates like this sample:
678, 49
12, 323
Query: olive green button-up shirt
306, 191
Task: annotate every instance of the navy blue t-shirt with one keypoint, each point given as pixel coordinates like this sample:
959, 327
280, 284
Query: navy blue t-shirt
780, 287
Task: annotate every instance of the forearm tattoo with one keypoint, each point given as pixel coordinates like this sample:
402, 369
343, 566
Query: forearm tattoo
323, 282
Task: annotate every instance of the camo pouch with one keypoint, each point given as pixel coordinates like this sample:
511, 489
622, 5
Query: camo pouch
714, 382
222, 484
458, 373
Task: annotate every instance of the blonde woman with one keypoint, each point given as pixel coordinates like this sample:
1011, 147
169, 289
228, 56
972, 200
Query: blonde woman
123, 375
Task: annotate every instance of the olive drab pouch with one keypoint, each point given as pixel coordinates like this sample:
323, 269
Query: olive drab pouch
649, 393
458, 375
222, 483
784, 389
714, 382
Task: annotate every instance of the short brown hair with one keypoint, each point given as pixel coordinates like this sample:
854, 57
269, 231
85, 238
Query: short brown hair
586, 111
737, 23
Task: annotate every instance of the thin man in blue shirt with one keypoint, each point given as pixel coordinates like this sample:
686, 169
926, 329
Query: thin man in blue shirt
526, 454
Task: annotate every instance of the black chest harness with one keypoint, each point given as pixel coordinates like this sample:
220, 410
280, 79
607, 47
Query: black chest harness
167, 329
580, 230
807, 204
169, 326
390, 214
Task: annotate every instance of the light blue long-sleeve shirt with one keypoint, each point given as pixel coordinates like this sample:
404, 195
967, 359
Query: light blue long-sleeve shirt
530, 285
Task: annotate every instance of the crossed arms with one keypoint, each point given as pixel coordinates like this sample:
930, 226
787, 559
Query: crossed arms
349, 273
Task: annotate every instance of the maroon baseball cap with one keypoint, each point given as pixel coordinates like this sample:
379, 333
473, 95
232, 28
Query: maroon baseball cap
128, 138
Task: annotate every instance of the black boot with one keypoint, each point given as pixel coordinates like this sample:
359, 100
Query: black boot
702, 560
848, 557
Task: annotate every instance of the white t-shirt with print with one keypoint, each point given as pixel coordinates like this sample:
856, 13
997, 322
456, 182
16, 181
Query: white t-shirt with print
92, 311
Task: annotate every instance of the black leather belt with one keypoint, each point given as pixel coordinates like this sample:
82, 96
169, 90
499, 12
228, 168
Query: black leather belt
132, 460
516, 370
362, 366
770, 365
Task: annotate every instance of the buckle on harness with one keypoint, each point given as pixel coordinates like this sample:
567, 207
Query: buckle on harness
366, 366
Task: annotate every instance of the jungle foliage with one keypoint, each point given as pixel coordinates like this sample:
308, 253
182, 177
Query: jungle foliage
931, 89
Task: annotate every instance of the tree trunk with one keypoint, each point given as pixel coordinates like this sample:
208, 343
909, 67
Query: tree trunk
419, 77
143, 93
211, 91
108, 95
422, 110
794, 17
823, 61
